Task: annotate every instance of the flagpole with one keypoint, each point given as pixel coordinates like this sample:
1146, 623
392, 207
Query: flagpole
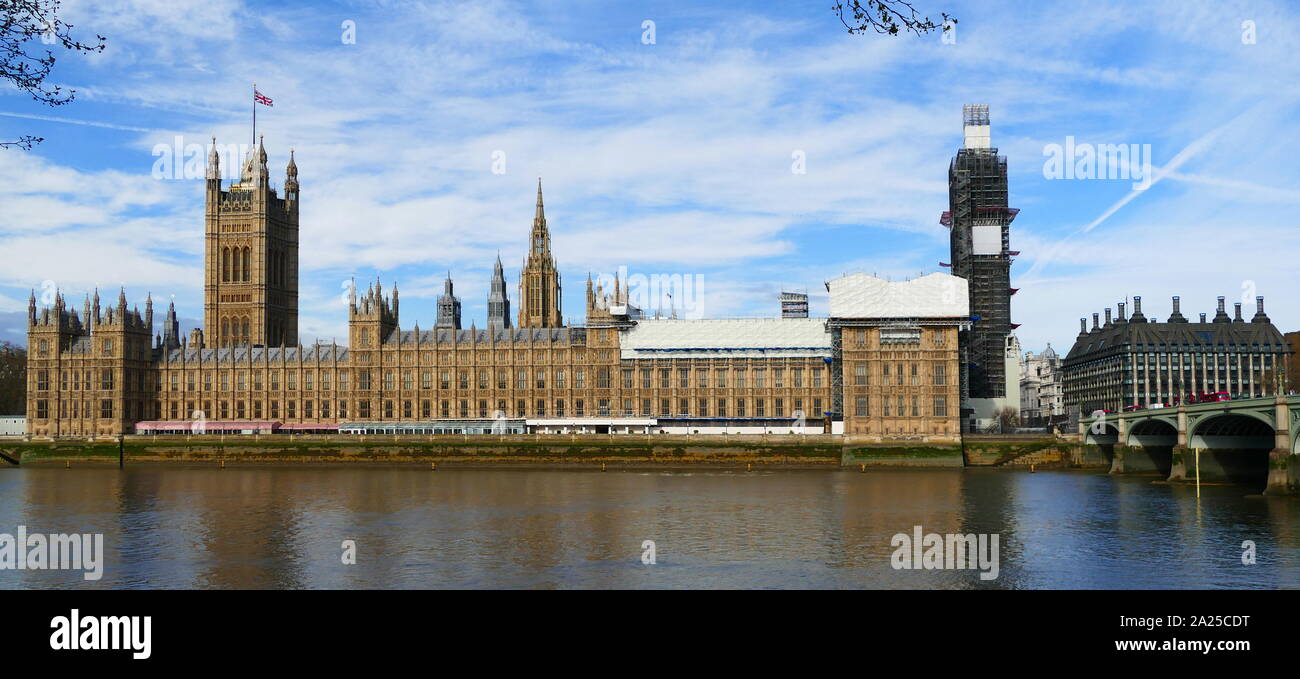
253, 145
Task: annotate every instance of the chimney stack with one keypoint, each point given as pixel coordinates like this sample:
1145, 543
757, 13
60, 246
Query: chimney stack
1177, 315
1202, 316
1221, 315
1236, 314
1108, 323
1260, 316
1094, 322
1121, 313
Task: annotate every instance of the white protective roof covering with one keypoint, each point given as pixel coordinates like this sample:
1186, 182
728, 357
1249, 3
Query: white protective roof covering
937, 295
727, 337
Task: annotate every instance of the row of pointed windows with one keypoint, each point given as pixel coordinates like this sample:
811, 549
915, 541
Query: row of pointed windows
234, 331
236, 264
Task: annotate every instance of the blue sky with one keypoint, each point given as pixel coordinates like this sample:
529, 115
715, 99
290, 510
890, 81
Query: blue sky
667, 158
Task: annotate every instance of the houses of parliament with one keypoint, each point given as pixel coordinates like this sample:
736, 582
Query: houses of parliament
884, 365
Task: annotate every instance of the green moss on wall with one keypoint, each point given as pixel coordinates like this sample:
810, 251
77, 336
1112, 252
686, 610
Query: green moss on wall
488, 447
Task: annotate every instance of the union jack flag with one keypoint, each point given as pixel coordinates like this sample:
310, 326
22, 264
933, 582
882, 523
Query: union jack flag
262, 99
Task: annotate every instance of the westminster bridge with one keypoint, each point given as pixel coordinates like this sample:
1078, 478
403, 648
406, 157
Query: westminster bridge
1249, 441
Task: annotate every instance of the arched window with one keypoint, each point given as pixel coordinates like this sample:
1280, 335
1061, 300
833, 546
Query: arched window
225, 332
225, 264
246, 333
246, 265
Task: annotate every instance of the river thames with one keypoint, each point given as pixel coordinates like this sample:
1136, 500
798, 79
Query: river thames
286, 527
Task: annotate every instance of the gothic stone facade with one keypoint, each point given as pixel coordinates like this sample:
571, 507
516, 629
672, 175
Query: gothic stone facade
887, 373
896, 362
250, 272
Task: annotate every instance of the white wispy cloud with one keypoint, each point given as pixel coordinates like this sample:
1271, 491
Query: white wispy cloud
667, 157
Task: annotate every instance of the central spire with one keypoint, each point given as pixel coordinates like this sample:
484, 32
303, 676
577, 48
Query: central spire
540, 241
539, 282
540, 219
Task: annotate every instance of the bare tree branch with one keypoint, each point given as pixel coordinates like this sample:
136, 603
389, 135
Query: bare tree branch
25, 142
885, 16
22, 22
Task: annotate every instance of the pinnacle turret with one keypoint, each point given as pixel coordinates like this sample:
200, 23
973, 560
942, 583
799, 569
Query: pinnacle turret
214, 162
498, 303
448, 308
171, 336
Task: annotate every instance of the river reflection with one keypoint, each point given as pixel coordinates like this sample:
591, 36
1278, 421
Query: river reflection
284, 528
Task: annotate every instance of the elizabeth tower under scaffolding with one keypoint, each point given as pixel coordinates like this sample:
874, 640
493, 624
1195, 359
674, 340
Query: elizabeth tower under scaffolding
979, 221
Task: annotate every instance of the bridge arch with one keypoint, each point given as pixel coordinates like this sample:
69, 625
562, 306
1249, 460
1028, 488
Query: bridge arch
1155, 431
1101, 433
1234, 446
1210, 429
1194, 421
1099, 440
1148, 446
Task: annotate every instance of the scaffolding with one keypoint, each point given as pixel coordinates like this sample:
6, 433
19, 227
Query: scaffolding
977, 197
975, 114
837, 372
794, 304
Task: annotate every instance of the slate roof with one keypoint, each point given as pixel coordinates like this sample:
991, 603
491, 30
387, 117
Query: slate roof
311, 354
466, 336
1178, 336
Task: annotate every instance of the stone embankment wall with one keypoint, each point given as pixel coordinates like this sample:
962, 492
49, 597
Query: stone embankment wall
453, 450
773, 451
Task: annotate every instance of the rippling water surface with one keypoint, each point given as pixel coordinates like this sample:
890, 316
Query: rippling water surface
284, 528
